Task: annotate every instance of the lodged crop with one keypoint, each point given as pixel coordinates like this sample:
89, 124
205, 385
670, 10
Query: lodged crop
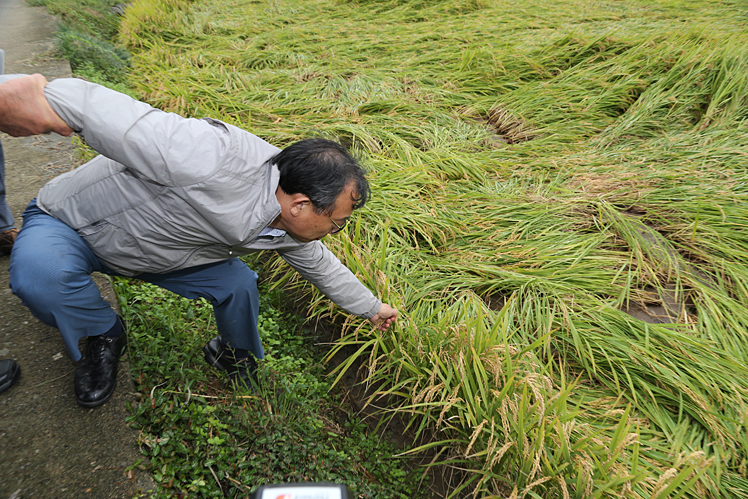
559, 212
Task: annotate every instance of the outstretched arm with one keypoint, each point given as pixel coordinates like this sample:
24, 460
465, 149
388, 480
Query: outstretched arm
163, 147
24, 109
320, 267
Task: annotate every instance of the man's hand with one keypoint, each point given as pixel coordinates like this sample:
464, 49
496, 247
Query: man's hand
384, 317
24, 109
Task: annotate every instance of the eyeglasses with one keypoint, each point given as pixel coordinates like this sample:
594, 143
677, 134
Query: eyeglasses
337, 228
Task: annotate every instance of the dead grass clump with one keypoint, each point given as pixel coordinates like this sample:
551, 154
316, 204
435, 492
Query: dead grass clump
509, 128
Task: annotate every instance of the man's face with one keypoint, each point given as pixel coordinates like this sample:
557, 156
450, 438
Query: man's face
305, 225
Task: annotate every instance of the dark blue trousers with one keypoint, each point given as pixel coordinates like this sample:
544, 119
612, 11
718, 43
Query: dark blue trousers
51, 267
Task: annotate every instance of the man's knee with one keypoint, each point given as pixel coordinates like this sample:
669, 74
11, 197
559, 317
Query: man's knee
30, 278
37, 276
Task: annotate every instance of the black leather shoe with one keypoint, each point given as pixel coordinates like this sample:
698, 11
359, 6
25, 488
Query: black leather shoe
96, 374
243, 372
9, 373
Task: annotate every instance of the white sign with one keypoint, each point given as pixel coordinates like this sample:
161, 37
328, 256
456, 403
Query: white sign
302, 492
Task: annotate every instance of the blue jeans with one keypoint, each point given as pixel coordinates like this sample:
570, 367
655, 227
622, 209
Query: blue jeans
51, 267
6, 217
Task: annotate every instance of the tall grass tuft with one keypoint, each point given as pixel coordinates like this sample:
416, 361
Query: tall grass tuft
539, 172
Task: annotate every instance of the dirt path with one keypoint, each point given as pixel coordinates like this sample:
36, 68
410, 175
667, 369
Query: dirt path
49, 446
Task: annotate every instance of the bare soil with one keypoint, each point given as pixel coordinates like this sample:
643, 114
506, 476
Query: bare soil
49, 446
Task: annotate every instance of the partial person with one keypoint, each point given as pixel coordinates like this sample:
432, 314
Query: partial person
9, 369
8, 231
173, 201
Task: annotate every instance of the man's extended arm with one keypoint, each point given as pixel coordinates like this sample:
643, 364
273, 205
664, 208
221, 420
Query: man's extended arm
319, 266
24, 109
163, 147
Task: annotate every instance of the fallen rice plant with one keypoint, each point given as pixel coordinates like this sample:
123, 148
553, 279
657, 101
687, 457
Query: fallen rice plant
634, 105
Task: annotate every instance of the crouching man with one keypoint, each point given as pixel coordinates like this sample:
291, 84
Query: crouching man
172, 201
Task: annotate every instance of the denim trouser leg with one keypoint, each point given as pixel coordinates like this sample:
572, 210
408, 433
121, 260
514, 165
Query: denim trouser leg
50, 270
6, 217
231, 287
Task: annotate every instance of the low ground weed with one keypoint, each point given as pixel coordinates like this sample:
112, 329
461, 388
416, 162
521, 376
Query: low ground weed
205, 440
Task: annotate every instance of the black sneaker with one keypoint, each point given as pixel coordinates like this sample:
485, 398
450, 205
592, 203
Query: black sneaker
96, 374
242, 372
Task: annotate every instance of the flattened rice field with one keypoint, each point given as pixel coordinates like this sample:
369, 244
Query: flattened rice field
559, 211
